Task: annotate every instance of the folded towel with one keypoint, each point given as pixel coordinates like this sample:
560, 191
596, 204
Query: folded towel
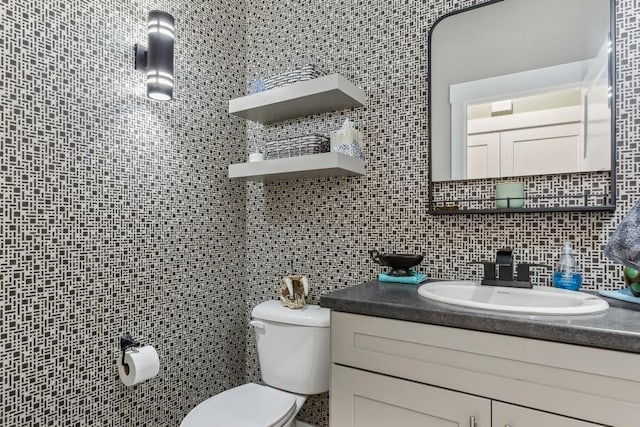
624, 244
621, 294
410, 280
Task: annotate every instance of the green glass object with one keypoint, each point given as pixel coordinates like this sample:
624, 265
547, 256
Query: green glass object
632, 279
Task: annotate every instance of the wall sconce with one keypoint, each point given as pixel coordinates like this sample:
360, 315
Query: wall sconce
157, 60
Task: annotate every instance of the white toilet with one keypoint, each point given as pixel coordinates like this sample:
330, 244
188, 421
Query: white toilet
294, 354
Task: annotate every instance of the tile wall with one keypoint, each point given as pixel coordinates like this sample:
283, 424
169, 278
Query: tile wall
117, 215
324, 227
116, 212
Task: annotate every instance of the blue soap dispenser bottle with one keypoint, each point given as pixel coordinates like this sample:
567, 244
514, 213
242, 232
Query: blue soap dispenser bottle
567, 274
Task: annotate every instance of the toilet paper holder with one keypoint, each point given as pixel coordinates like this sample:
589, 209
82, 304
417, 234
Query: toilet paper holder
127, 342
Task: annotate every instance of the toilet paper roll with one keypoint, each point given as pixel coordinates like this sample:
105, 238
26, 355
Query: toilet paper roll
141, 363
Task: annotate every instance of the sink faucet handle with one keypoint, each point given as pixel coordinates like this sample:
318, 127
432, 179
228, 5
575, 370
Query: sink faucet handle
489, 269
504, 261
504, 256
524, 271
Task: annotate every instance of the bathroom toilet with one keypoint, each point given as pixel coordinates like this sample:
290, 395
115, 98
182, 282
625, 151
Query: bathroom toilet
294, 354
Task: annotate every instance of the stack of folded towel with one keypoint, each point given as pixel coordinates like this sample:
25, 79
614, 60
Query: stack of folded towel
414, 279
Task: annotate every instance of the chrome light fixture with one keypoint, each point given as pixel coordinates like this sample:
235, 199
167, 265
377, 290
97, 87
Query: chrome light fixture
157, 60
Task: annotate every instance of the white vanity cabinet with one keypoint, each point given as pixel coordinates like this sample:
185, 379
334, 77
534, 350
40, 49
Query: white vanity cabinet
389, 372
506, 415
366, 399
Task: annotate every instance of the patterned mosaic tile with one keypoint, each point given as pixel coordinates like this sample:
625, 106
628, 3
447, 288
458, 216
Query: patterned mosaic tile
547, 191
117, 215
116, 212
324, 227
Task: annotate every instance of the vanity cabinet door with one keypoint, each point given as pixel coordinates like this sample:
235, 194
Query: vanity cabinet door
364, 399
505, 415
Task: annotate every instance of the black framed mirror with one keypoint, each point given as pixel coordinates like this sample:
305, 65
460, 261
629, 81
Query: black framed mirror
522, 108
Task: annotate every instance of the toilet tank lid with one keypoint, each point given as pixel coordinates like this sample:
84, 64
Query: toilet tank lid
309, 315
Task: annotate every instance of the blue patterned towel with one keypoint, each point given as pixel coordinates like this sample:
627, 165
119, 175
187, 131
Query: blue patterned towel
624, 244
410, 280
621, 294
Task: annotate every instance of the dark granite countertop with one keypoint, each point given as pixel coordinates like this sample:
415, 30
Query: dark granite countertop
616, 329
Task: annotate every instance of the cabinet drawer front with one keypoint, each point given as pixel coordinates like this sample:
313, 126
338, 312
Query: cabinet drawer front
601, 385
504, 414
366, 399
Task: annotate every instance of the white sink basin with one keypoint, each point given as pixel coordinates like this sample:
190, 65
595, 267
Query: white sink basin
539, 300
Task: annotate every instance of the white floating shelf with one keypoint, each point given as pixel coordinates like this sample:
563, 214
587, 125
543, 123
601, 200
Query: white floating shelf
328, 93
302, 167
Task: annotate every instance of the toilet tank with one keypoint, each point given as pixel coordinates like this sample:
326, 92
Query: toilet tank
293, 346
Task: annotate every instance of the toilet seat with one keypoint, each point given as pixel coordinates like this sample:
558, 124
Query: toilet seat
249, 405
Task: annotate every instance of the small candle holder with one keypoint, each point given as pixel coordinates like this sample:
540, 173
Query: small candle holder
509, 195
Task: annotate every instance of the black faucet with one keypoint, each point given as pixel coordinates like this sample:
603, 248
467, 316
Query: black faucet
500, 272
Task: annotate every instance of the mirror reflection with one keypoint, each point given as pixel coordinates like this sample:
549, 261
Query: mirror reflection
512, 98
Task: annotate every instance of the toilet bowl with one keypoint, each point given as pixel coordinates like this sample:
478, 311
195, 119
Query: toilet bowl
294, 354
247, 405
